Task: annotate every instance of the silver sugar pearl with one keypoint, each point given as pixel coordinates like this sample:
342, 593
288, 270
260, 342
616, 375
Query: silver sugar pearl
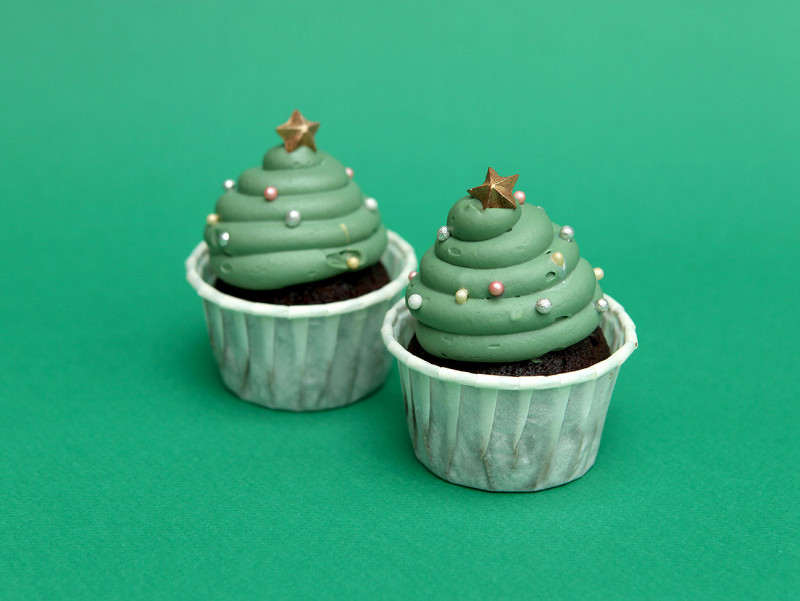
566, 233
544, 306
414, 301
293, 218
601, 305
370, 204
229, 184
443, 233
223, 238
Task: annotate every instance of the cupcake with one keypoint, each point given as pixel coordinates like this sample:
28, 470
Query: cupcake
507, 346
296, 274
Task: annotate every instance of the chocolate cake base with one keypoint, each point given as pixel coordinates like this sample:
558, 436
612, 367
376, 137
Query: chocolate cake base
342, 287
580, 355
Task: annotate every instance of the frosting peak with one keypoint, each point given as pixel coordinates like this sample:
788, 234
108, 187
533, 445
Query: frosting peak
468, 220
298, 218
501, 285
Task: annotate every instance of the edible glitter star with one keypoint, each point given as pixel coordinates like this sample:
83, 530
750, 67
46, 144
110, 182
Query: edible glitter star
298, 131
496, 192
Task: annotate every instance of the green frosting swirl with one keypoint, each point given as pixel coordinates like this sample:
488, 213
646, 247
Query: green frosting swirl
515, 247
252, 246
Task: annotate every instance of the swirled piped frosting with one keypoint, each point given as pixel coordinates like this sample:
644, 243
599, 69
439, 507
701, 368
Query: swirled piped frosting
494, 288
317, 225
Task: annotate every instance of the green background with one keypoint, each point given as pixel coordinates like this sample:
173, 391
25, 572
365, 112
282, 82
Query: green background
666, 133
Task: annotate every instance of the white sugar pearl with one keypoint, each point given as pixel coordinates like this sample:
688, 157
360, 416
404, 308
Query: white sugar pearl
293, 218
544, 306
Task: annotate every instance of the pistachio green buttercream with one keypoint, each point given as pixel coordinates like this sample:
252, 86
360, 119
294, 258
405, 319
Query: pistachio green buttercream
514, 247
252, 246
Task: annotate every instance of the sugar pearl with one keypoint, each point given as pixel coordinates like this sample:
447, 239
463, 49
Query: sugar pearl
271, 193
414, 301
601, 305
544, 306
349, 172
496, 288
443, 233
228, 184
412, 275
212, 219
353, 262
558, 259
370, 204
461, 296
599, 273
293, 218
567, 233
520, 196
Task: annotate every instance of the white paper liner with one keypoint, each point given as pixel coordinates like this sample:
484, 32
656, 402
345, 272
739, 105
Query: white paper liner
301, 357
506, 433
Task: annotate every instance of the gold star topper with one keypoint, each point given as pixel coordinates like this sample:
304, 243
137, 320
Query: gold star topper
298, 131
496, 192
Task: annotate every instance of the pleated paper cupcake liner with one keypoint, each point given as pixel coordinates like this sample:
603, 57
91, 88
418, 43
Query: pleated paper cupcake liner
301, 358
501, 433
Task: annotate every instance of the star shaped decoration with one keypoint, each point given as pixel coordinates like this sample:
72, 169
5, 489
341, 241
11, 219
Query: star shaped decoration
496, 192
298, 131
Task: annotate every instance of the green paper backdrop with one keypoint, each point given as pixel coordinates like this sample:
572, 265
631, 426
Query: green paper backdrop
665, 133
